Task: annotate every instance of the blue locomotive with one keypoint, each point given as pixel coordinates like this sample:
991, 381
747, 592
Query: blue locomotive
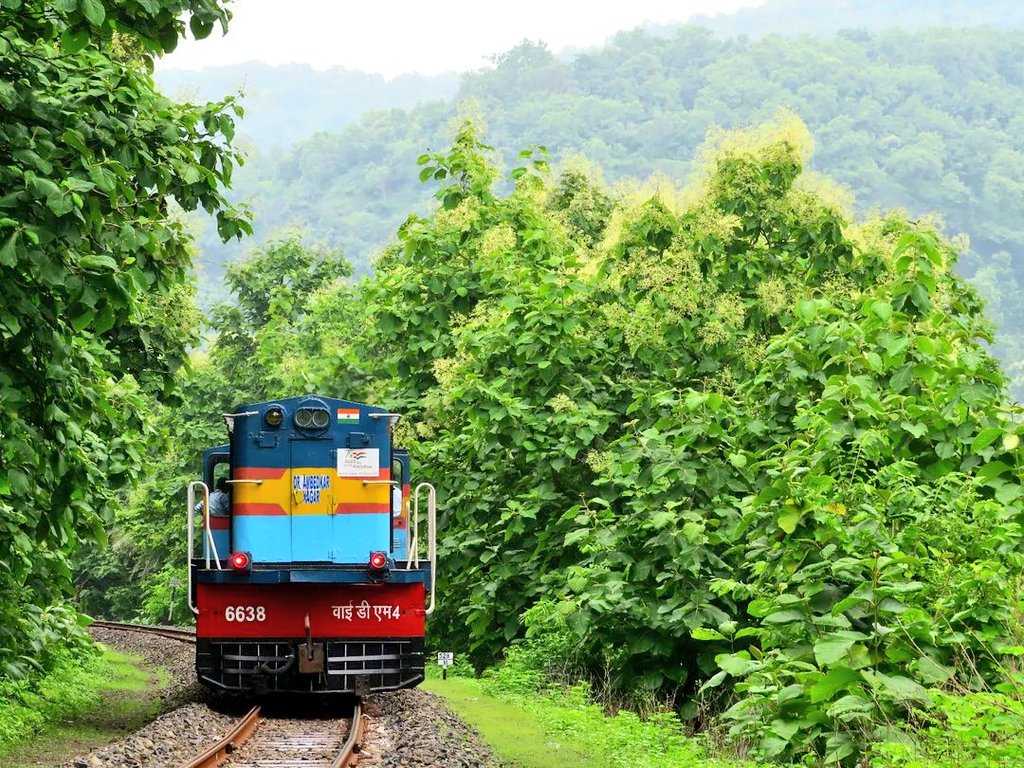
309, 576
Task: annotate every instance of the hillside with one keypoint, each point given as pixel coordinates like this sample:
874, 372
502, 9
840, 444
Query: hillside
286, 104
930, 121
797, 17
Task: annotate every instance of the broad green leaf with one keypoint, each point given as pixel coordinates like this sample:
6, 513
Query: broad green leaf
104, 179
836, 679
1008, 493
933, 672
851, 707
9, 251
701, 633
784, 617
919, 295
201, 28
785, 729
714, 681
834, 647
899, 687
985, 438
737, 664
83, 320
882, 310
574, 536
739, 461
807, 309
74, 40
992, 470
771, 745
790, 693
97, 262
925, 345
93, 10
789, 518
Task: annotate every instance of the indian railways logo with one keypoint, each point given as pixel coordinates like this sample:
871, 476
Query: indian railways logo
309, 487
358, 462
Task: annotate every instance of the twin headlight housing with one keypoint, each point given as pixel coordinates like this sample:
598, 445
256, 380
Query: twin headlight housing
311, 418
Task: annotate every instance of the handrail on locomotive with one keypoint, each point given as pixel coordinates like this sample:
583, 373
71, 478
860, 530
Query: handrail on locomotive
191, 535
412, 561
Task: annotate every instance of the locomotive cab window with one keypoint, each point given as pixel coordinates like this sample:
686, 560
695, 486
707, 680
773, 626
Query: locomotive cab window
397, 473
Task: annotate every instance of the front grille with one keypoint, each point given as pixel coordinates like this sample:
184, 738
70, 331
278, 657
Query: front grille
351, 666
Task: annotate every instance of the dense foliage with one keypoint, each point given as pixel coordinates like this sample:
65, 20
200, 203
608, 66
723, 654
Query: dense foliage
742, 440
927, 120
286, 296
95, 310
726, 443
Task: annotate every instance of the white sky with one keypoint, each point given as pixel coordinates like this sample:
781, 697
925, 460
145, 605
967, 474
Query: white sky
429, 37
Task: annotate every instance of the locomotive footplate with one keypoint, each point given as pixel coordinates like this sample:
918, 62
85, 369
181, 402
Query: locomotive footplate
340, 665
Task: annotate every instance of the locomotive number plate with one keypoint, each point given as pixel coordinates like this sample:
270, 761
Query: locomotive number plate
245, 613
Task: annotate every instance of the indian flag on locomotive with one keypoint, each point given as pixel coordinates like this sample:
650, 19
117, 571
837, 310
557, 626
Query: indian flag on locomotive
348, 415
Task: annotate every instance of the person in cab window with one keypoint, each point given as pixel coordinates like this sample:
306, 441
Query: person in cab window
220, 500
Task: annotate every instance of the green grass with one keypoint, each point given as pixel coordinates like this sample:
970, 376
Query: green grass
562, 729
77, 707
514, 735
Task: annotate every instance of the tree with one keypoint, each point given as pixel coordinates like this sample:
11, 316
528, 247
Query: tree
93, 265
742, 441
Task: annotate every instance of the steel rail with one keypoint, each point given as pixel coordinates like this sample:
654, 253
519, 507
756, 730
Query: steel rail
347, 757
183, 635
219, 752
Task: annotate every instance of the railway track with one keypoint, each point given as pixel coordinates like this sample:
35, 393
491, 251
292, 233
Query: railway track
184, 635
259, 742
255, 742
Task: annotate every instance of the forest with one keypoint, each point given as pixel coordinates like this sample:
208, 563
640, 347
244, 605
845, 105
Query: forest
708, 429
929, 121
727, 440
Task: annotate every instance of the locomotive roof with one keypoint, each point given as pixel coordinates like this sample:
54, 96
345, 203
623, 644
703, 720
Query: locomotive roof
299, 399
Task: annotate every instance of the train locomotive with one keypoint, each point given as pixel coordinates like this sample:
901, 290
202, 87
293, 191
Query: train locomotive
308, 577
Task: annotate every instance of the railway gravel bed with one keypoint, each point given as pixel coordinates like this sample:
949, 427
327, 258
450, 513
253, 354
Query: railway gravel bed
170, 741
405, 729
414, 729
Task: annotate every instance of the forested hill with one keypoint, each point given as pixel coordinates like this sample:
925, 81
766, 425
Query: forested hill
795, 17
930, 120
286, 104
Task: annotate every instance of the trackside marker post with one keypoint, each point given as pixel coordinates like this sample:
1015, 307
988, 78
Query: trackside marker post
445, 660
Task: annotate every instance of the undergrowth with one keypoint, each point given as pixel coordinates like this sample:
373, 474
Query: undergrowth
620, 740
959, 728
71, 687
967, 730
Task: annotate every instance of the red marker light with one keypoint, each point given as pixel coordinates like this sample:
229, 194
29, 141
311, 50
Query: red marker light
378, 561
240, 561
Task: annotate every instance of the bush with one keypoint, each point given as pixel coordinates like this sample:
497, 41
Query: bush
970, 730
29, 703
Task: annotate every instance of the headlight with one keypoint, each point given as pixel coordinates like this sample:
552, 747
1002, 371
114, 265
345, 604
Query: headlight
312, 418
304, 418
274, 416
